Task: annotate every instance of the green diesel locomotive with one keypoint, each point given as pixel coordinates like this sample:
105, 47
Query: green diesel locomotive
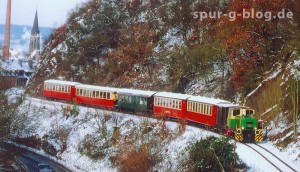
243, 126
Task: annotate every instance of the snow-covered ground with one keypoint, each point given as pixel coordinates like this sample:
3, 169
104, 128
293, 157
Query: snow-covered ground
45, 117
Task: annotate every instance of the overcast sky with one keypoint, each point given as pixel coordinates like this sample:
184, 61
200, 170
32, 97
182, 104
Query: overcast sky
51, 13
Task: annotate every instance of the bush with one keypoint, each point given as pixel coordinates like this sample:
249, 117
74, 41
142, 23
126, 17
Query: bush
213, 154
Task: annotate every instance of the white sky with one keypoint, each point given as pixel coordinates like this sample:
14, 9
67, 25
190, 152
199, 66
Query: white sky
51, 13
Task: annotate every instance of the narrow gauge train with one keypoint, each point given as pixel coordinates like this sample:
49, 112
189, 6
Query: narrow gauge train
233, 120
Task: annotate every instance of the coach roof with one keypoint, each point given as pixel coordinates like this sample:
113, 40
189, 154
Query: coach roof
142, 93
52, 81
172, 95
96, 88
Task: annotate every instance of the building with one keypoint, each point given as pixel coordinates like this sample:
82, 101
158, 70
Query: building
15, 72
34, 46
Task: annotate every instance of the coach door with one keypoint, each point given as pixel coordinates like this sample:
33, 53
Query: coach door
222, 116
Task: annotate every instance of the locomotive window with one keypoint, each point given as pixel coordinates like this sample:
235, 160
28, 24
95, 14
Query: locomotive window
180, 104
249, 112
236, 112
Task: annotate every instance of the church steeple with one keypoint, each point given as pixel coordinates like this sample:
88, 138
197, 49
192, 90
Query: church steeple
35, 28
34, 46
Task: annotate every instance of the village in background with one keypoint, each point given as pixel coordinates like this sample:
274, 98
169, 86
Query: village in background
20, 52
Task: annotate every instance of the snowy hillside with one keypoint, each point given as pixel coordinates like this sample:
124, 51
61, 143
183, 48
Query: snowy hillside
89, 130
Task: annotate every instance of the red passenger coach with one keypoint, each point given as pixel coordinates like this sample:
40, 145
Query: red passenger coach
96, 95
170, 104
64, 90
203, 110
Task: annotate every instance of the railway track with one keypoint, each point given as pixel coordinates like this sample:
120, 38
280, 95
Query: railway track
270, 157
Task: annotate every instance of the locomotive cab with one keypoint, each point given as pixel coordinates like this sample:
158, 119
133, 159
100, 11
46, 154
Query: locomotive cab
243, 125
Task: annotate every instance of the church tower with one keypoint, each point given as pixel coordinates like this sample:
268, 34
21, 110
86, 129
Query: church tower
34, 46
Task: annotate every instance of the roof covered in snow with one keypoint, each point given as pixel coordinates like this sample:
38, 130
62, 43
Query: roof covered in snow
172, 95
97, 88
208, 100
16, 65
52, 81
142, 93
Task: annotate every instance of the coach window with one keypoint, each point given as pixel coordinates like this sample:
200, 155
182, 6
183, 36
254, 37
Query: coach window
104, 95
209, 110
108, 95
195, 107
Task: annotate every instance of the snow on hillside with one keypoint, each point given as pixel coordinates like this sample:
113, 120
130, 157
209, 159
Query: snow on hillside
44, 117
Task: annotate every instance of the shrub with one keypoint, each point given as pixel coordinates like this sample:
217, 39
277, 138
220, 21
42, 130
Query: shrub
212, 154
